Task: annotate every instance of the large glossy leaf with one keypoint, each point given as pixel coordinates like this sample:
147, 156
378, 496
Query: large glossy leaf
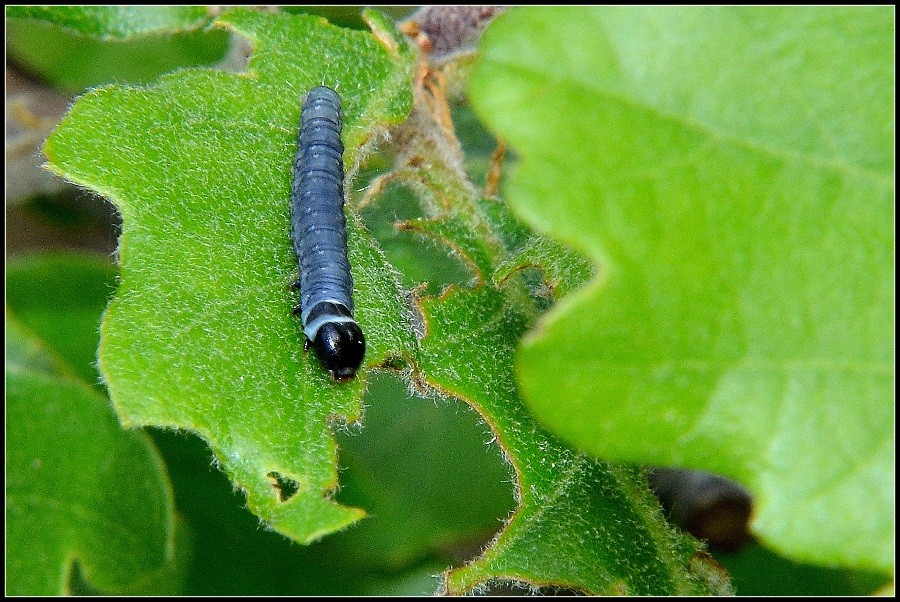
61, 298
200, 334
79, 489
117, 22
730, 171
73, 48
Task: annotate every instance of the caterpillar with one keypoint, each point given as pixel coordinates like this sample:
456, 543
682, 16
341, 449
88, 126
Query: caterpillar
319, 236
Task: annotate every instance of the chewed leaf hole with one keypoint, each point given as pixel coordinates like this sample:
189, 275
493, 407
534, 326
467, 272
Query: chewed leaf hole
286, 487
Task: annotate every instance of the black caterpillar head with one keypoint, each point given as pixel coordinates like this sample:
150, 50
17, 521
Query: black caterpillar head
341, 347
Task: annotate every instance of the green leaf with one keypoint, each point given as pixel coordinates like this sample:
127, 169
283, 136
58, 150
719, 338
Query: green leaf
757, 571
73, 63
730, 171
60, 297
581, 524
418, 263
200, 335
24, 349
117, 22
79, 488
236, 557
417, 466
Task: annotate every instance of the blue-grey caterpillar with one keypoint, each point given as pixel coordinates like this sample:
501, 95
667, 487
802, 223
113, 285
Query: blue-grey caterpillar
319, 234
